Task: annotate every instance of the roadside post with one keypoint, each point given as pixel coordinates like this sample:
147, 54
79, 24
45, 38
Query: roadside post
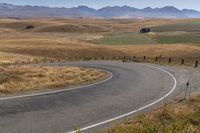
182, 62
186, 90
196, 64
156, 58
170, 60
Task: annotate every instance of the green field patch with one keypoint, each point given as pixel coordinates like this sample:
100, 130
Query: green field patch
179, 38
187, 27
188, 32
195, 22
127, 39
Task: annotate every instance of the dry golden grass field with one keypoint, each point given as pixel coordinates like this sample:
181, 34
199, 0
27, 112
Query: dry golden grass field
75, 39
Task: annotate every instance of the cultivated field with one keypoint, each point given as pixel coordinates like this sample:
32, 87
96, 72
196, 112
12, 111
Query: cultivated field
175, 33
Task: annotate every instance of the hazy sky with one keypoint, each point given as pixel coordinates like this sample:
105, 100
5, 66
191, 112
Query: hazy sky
192, 4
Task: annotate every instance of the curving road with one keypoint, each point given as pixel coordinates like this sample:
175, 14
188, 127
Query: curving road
132, 88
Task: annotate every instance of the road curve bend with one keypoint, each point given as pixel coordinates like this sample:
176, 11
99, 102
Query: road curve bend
132, 88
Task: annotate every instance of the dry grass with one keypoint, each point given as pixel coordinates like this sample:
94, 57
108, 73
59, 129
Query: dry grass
12, 58
181, 117
80, 25
178, 50
51, 46
66, 43
19, 79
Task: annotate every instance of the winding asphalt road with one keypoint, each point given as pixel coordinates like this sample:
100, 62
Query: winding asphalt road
132, 88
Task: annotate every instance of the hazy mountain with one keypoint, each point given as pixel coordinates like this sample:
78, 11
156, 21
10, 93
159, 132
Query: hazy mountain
191, 13
9, 10
116, 11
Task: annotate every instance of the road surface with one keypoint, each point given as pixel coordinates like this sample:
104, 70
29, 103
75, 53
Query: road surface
132, 88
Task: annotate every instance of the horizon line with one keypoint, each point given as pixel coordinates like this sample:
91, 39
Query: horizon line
97, 8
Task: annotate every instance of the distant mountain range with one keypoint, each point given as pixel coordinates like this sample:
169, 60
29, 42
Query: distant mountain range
126, 12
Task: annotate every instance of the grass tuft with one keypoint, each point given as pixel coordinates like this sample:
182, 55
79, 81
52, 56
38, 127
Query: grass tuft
182, 117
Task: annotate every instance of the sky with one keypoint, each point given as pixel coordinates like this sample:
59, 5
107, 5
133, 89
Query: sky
190, 4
